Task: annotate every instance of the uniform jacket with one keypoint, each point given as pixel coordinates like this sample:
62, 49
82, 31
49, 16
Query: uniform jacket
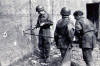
85, 31
63, 34
45, 29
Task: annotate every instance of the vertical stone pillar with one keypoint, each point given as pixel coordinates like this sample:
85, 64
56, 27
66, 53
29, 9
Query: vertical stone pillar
99, 24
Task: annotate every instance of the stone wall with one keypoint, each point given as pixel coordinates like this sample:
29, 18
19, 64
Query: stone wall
15, 17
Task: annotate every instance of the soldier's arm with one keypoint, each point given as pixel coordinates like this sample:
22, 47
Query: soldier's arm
70, 30
48, 21
56, 36
71, 34
78, 29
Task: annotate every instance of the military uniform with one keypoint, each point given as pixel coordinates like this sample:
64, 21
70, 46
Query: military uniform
85, 31
44, 42
63, 35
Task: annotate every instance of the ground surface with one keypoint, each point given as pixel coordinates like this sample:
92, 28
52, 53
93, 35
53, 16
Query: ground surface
32, 59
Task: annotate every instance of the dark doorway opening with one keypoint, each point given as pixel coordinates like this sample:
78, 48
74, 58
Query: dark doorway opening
93, 15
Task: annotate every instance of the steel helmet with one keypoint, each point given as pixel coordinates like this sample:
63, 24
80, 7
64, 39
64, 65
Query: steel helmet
65, 11
39, 8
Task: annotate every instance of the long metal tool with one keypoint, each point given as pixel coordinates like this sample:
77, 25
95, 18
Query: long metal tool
37, 35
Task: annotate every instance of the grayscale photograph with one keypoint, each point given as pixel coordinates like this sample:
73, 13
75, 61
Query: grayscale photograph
49, 33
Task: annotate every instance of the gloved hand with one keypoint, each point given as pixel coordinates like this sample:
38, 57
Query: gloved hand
42, 24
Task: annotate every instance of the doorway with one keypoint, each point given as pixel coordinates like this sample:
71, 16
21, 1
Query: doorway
93, 15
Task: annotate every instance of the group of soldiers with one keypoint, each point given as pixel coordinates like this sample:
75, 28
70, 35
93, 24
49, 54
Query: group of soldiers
83, 31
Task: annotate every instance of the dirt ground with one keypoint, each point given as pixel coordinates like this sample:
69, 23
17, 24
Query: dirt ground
55, 59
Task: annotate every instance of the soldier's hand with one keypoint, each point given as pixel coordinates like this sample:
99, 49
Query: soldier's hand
42, 24
36, 26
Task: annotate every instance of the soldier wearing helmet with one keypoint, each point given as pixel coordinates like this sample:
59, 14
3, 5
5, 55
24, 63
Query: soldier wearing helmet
39, 9
44, 22
65, 11
64, 32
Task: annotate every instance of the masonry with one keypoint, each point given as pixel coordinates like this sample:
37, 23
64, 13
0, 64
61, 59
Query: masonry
15, 18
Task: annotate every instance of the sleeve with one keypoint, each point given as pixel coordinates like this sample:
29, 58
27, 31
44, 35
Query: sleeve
49, 21
95, 31
56, 36
78, 29
94, 26
70, 30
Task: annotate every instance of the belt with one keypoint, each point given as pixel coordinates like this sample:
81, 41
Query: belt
89, 31
45, 28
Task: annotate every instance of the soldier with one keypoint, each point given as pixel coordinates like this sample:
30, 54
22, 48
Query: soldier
85, 32
44, 24
64, 32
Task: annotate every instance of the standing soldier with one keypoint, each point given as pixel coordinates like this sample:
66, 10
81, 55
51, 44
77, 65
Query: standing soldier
64, 33
85, 32
44, 24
